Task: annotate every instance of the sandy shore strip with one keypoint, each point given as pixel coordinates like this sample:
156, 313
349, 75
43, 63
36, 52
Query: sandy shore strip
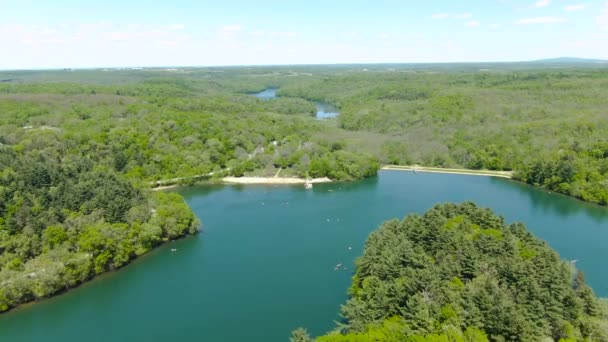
416, 168
165, 187
273, 180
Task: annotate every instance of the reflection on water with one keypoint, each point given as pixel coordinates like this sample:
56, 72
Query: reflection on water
551, 203
188, 192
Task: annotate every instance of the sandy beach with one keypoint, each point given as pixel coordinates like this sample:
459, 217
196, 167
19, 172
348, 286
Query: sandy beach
295, 180
165, 187
272, 180
252, 180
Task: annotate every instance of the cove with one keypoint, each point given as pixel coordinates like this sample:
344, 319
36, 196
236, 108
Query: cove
264, 263
324, 110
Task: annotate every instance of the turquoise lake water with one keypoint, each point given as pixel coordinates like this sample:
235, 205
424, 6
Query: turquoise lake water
264, 262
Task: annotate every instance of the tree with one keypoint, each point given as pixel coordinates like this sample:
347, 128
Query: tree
300, 335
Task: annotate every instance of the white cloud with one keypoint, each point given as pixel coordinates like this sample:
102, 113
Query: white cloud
96, 32
541, 3
462, 16
176, 27
602, 19
573, 8
442, 16
540, 20
591, 45
228, 32
230, 29
91, 44
273, 34
258, 33
472, 23
130, 35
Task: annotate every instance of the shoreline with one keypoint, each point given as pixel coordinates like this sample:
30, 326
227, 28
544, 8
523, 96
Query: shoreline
295, 180
96, 277
273, 180
231, 180
165, 187
417, 168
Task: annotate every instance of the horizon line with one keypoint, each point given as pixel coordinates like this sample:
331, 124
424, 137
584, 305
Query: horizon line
136, 67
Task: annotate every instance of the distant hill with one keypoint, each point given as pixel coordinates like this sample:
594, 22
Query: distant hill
569, 60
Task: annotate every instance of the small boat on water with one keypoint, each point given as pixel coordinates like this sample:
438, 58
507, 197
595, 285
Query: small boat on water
338, 266
308, 185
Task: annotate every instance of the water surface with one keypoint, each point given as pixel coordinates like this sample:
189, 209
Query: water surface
326, 111
264, 263
267, 94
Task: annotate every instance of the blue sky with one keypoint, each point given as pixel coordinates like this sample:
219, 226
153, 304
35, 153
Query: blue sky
111, 33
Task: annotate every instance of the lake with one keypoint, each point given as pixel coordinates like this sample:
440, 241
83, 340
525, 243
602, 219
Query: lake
264, 263
266, 94
324, 110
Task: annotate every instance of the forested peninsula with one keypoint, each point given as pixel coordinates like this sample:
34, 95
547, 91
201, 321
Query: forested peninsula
459, 273
64, 220
79, 149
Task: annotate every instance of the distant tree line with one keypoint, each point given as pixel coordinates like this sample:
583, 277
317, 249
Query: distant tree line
550, 125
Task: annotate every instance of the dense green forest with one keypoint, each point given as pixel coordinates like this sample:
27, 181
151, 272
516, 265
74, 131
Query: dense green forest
63, 220
148, 136
459, 273
79, 149
548, 125
547, 122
